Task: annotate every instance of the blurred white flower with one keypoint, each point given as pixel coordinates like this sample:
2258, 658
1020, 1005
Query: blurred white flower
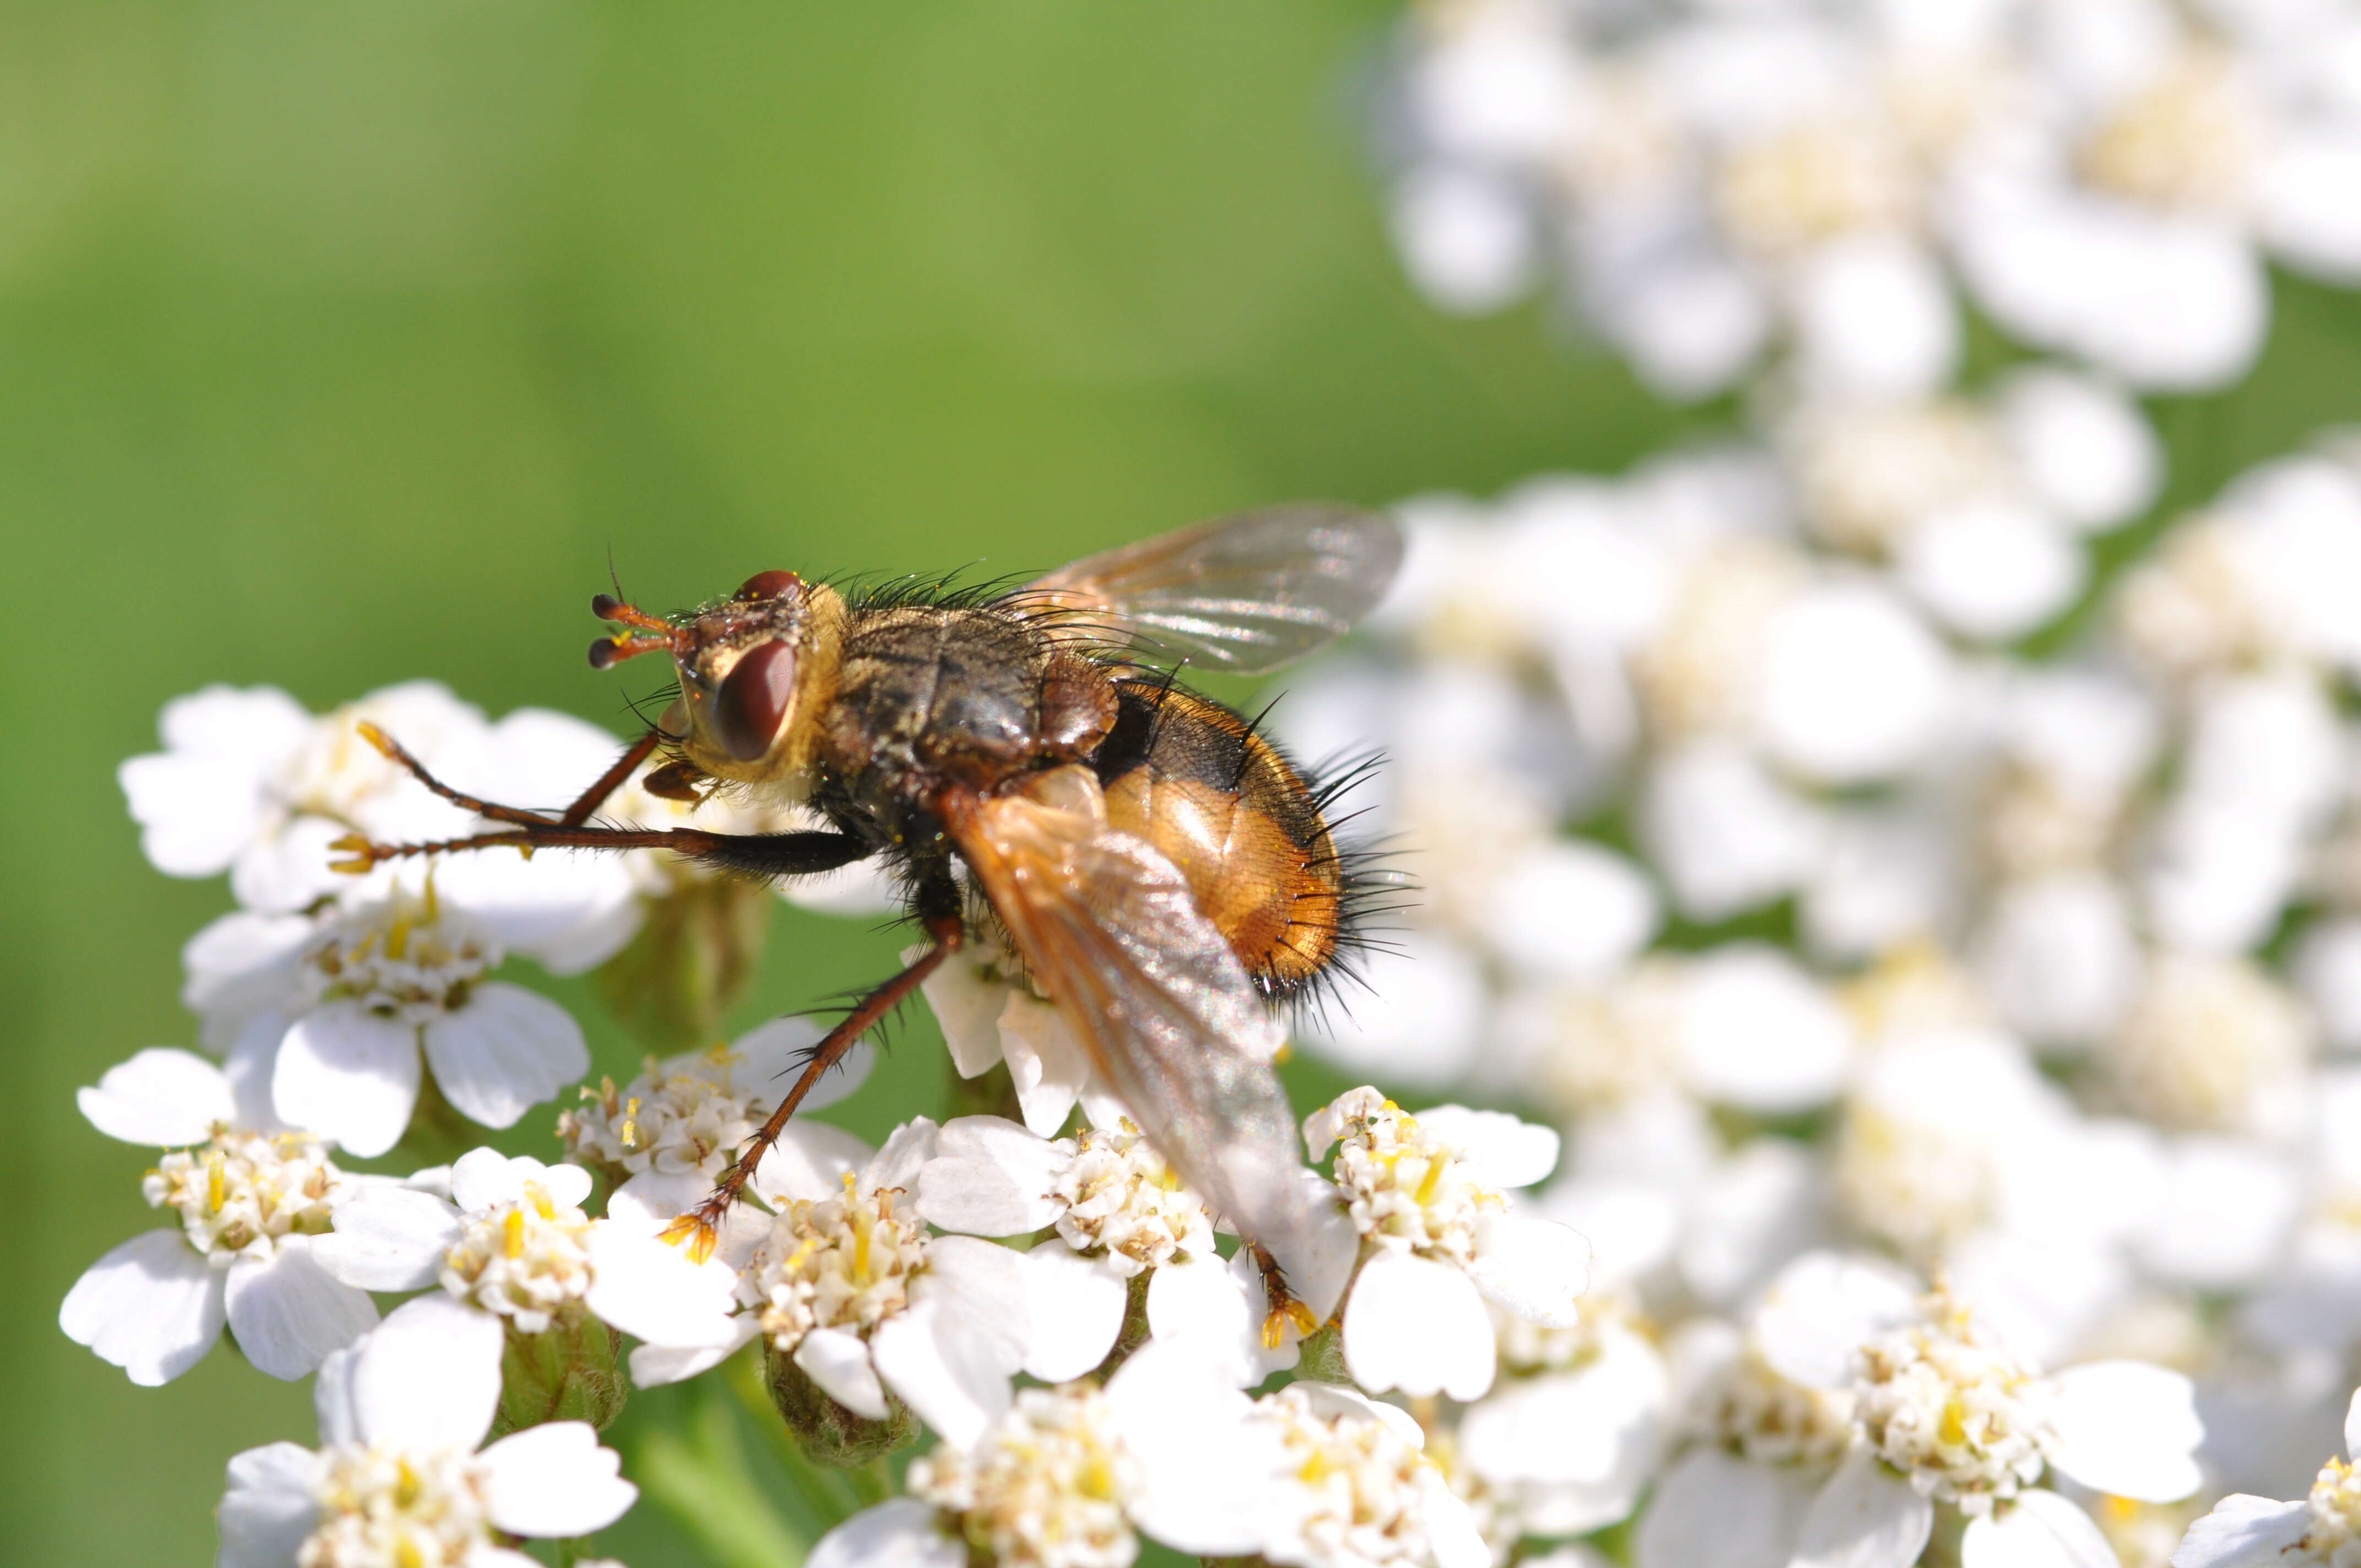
1715, 180
400, 1476
2321, 1529
252, 1198
1358, 1491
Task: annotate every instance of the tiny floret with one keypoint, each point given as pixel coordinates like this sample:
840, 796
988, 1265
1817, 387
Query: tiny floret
1045, 1489
1952, 1409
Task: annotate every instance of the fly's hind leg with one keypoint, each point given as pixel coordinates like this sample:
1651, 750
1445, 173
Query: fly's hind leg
938, 907
1282, 1308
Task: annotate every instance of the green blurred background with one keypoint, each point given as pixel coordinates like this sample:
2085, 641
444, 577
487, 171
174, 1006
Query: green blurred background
340, 344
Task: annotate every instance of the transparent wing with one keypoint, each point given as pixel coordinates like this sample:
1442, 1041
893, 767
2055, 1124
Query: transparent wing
1107, 927
1245, 594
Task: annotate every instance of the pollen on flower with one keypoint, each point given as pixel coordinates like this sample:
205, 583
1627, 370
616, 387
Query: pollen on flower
2209, 1045
2185, 140
2333, 1538
385, 1507
242, 1191
1947, 1404
1751, 1410
1367, 1505
1405, 1190
689, 1118
843, 1263
527, 1260
1781, 194
406, 957
1120, 1197
1044, 1489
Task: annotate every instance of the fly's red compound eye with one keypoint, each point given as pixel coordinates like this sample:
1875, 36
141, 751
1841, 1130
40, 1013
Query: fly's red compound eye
769, 586
753, 701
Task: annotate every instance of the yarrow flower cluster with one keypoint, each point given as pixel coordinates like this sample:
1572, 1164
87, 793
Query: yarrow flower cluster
1882, 985
1708, 183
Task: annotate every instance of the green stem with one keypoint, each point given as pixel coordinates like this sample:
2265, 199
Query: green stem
824, 1492
872, 1483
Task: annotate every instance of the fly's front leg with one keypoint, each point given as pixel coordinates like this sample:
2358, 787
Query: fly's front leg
755, 854
938, 909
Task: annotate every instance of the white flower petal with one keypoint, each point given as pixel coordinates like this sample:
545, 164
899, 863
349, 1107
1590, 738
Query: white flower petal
991, 1177
1874, 318
162, 1097
1713, 1509
1531, 1267
1866, 1517
653, 1291
1567, 907
2084, 447
1418, 1326
2128, 1428
1499, 1150
839, 1362
267, 1511
1990, 568
2244, 1532
427, 1376
2040, 1530
947, 1368
898, 1533
1047, 1061
810, 1162
653, 1365
504, 1052
905, 1153
1759, 1033
2353, 1425
287, 1313
1076, 1306
483, 1176
1453, 1537
554, 1480
1854, 686
1210, 1479
968, 1004
1822, 1309
1218, 1306
389, 1238
348, 1075
1597, 1428
772, 1053
151, 1306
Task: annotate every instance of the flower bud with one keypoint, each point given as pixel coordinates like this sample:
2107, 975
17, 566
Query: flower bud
828, 1433
690, 961
568, 1373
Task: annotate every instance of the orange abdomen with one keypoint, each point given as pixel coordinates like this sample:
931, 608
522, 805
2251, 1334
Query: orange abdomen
1191, 777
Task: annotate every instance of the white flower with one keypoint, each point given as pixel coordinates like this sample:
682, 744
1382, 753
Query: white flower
2320, 1531
1977, 507
989, 1016
1438, 1239
511, 1240
1119, 1211
250, 784
344, 1004
846, 1282
252, 1199
1566, 1442
1940, 1413
1363, 1493
2212, 1045
400, 1480
1069, 1477
690, 1113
